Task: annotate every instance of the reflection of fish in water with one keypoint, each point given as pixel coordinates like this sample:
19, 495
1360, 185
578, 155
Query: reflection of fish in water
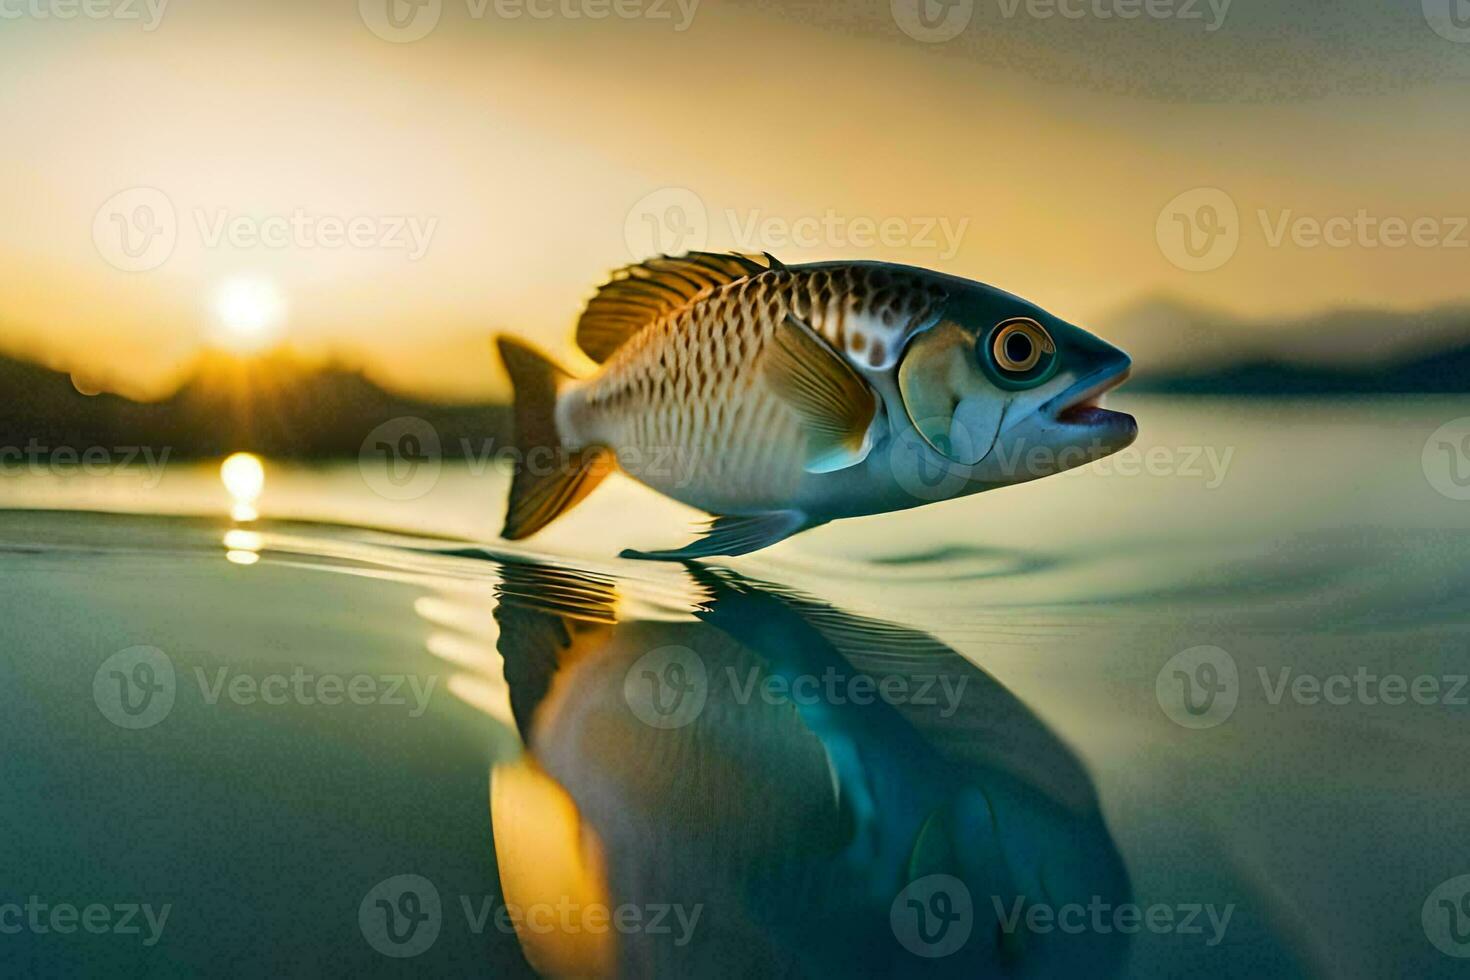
815, 835
782, 398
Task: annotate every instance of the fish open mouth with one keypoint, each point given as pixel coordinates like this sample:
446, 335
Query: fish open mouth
1082, 406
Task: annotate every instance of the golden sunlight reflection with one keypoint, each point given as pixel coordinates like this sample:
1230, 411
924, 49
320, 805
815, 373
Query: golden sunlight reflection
551, 862
248, 315
243, 475
242, 547
467, 641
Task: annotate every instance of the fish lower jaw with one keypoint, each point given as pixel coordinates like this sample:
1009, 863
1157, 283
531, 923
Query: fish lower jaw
1084, 409
1090, 414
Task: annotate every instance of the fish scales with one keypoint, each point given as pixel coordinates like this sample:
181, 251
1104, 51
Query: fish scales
687, 387
782, 398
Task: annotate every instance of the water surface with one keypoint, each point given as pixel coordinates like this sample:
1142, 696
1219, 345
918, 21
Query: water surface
372, 726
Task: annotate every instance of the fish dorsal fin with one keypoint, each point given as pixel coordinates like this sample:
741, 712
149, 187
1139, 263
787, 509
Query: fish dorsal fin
639, 294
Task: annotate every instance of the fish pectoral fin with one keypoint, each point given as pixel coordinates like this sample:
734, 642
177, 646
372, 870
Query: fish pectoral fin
730, 535
835, 404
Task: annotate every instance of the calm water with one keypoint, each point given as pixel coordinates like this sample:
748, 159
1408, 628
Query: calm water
1137, 720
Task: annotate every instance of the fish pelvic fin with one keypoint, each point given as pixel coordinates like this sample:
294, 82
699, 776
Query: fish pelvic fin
734, 535
835, 404
549, 479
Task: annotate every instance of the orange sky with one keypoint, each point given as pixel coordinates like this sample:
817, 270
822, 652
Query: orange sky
400, 202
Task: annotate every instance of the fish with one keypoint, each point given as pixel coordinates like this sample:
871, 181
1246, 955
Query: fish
780, 398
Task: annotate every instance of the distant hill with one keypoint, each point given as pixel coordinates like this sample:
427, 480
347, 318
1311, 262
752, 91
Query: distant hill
269, 406
1183, 349
276, 407
1447, 372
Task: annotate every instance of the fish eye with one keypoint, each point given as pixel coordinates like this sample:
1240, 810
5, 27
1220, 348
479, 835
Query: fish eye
1021, 349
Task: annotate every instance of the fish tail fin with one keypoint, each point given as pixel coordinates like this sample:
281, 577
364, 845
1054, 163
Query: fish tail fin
549, 479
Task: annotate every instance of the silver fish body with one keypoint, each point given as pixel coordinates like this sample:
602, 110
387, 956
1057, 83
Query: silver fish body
798, 395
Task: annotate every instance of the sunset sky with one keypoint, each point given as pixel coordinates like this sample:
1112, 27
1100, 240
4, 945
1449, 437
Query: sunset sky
243, 175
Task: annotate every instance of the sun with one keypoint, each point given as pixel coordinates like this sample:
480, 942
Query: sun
248, 315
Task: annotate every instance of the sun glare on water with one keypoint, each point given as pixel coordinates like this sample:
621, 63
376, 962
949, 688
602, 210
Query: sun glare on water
248, 316
243, 475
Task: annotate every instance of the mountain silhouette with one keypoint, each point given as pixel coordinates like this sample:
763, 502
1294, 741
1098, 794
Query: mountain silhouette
1180, 348
276, 406
271, 406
